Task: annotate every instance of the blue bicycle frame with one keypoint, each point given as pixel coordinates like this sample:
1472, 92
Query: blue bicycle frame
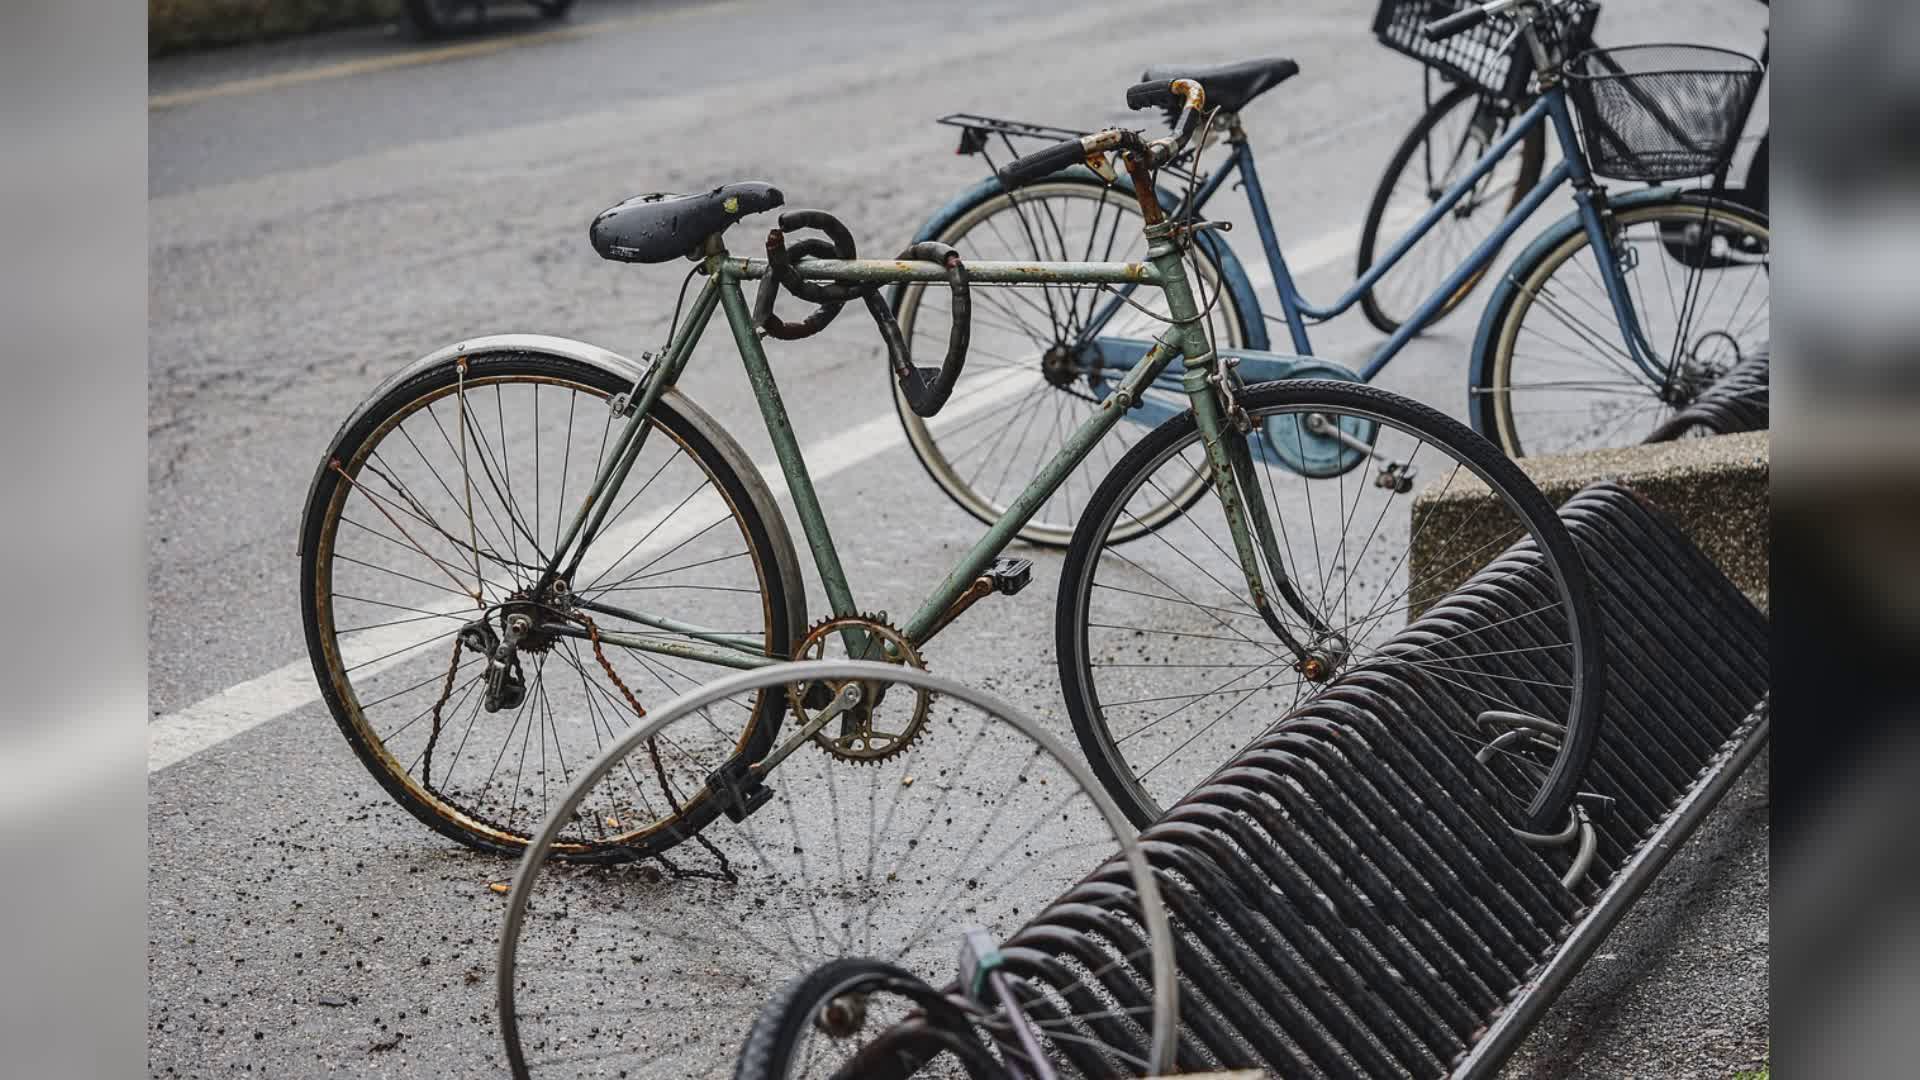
1549, 108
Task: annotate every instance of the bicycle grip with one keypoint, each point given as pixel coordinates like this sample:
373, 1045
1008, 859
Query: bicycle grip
1158, 94
1025, 170
1457, 23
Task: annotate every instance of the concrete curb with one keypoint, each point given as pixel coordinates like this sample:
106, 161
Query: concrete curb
1716, 489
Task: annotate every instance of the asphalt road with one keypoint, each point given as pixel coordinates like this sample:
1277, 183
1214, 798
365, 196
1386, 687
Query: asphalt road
323, 211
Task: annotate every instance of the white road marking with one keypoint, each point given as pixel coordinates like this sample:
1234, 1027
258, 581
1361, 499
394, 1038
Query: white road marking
177, 736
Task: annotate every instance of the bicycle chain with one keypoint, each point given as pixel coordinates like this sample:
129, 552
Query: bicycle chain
446, 691
725, 872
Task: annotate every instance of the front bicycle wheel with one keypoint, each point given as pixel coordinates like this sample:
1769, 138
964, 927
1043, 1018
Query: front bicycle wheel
1555, 374
978, 822
424, 539
1440, 150
1032, 377
1169, 670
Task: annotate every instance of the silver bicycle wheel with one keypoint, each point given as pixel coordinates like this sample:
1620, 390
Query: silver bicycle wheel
1028, 386
660, 969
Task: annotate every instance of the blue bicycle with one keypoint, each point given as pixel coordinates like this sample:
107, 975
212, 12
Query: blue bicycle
1616, 316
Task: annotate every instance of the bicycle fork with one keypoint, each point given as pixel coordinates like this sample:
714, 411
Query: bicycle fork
1230, 462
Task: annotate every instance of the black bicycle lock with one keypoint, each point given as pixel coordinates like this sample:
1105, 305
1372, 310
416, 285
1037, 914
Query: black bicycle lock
925, 388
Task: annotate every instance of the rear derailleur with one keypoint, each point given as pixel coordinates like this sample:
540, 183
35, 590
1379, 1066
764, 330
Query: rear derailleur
506, 686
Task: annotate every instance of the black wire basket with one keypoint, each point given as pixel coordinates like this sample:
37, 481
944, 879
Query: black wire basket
1650, 113
1491, 56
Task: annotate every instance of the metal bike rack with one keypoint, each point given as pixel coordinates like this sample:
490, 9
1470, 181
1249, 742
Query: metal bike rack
1349, 898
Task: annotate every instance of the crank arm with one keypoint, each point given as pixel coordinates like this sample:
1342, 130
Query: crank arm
847, 698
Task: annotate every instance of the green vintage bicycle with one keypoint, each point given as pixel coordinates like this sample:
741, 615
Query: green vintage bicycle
516, 542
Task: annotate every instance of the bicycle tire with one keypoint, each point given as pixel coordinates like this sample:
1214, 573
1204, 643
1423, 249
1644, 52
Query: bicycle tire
1532, 150
453, 815
777, 1035
1073, 619
1027, 392
1552, 420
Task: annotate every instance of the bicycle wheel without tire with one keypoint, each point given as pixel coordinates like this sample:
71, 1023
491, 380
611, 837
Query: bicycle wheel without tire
1169, 671
1555, 375
427, 531
981, 821
1440, 150
1029, 381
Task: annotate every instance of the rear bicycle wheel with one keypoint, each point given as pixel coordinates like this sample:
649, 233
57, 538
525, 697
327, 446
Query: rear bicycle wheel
1030, 380
1442, 147
1169, 671
1554, 374
429, 527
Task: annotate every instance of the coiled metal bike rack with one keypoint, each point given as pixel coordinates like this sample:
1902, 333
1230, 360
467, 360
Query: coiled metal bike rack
1349, 898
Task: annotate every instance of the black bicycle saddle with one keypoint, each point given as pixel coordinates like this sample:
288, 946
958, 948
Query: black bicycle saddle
1229, 86
661, 227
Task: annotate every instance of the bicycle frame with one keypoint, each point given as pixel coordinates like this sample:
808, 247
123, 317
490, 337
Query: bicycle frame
1549, 108
1185, 338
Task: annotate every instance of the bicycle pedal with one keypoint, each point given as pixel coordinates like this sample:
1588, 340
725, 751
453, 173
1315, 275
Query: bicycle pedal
735, 789
1009, 575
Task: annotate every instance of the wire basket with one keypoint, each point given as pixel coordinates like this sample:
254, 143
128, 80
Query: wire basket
1490, 56
1651, 113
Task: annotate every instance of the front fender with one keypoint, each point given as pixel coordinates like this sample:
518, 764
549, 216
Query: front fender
1255, 328
568, 348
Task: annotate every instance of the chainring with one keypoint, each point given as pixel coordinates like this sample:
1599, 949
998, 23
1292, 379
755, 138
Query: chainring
859, 738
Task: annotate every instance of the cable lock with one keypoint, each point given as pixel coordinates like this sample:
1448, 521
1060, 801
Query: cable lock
925, 388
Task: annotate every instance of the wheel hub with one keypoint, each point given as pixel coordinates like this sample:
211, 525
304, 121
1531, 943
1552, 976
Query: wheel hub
1060, 365
527, 613
843, 1017
1325, 659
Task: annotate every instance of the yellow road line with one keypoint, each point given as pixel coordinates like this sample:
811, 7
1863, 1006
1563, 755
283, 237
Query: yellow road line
439, 54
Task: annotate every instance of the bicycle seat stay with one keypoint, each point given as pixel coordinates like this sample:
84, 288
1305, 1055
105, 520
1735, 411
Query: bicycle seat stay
662, 226
1229, 86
